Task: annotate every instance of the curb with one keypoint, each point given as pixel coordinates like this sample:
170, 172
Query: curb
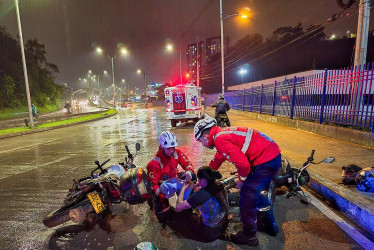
360, 211
50, 128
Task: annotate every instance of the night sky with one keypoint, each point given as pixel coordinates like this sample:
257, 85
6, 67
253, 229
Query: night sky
71, 30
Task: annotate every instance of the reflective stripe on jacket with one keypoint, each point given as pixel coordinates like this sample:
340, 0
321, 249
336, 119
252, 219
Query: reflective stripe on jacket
244, 147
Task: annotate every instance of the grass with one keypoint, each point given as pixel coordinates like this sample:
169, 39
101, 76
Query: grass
58, 123
23, 111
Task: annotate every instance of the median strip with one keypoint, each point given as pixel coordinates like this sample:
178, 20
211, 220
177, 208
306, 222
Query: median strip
56, 124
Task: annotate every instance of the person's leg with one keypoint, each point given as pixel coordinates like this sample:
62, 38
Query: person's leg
256, 185
265, 216
191, 226
162, 208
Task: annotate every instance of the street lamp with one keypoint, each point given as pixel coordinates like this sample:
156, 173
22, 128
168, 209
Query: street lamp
242, 72
24, 64
169, 47
223, 17
139, 71
112, 58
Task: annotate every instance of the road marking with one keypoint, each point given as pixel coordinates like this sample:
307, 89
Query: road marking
351, 231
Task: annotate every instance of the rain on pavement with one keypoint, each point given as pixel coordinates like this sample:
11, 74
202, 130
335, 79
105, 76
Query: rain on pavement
37, 170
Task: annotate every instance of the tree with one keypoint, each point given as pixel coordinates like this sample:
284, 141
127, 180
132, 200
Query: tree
41, 73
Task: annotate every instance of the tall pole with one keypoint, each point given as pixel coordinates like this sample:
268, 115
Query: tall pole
222, 50
145, 85
113, 85
197, 63
98, 84
180, 64
362, 33
24, 65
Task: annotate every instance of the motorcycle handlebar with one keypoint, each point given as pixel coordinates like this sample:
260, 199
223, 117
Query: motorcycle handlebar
105, 162
311, 156
128, 152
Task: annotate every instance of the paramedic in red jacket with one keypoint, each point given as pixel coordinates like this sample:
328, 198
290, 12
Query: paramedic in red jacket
257, 159
163, 167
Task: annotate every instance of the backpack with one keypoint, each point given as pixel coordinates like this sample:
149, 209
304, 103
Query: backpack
365, 180
349, 174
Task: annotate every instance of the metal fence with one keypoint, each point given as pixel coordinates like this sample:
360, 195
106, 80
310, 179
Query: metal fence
344, 96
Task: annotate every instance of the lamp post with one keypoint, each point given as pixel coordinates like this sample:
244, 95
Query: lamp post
169, 47
139, 71
242, 72
111, 59
223, 17
24, 64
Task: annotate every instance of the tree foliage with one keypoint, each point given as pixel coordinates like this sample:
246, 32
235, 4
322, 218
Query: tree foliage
41, 73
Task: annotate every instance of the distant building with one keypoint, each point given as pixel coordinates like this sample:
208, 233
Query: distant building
213, 46
194, 56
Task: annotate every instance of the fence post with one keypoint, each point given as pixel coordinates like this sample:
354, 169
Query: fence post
274, 96
243, 100
250, 101
293, 97
323, 97
262, 89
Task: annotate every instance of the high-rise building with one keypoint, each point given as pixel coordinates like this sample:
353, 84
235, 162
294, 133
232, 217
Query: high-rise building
194, 56
213, 46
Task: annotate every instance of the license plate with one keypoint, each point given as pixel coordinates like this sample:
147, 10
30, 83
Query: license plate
192, 112
96, 202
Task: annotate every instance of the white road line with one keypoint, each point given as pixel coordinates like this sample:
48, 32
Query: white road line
351, 231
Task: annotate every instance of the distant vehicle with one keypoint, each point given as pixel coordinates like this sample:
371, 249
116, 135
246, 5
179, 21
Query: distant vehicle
129, 104
183, 103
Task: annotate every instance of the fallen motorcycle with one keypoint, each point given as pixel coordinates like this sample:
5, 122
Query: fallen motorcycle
294, 178
91, 196
288, 176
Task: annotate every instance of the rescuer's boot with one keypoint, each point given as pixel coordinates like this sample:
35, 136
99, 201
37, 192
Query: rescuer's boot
241, 238
266, 222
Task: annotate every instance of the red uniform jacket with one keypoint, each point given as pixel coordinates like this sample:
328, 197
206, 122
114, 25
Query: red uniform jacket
244, 147
162, 167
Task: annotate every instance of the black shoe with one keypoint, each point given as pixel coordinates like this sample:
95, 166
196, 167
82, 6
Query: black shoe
241, 238
271, 229
266, 223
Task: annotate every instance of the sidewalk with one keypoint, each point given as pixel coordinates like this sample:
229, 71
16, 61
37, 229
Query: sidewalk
297, 145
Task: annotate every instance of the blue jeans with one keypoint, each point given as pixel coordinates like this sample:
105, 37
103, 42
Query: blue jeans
250, 193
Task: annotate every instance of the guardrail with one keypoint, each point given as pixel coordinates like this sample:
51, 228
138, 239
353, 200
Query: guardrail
344, 96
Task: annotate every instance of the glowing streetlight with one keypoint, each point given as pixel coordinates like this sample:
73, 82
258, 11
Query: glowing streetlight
123, 51
223, 17
169, 47
242, 72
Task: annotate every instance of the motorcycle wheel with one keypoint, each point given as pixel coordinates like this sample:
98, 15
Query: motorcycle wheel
57, 218
61, 215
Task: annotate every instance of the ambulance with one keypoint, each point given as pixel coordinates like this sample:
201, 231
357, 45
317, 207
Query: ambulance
183, 103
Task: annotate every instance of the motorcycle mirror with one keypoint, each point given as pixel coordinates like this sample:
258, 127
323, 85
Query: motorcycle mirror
329, 160
137, 146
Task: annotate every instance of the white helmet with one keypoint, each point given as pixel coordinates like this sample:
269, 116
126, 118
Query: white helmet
168, 140
202, 125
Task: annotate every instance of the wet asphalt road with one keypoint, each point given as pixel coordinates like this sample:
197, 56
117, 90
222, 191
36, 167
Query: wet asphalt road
37, 170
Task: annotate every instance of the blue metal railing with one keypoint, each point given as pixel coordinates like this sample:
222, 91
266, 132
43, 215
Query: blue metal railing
344, 96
